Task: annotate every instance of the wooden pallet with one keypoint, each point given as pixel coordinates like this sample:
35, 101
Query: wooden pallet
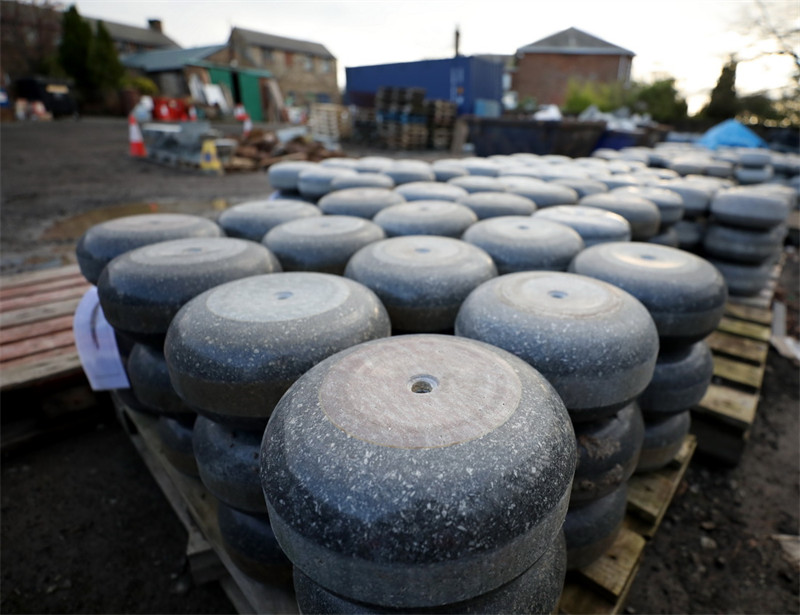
36, 311
603, 586
197, 510
723, 418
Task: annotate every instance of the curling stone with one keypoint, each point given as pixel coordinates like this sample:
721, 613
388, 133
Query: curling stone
107, 240
680, 380
592, 527
596, 344
662, 440
642, 214
430, 191
322, 244
418, 470
234, 350
684, 293
252, 220
592, 224
359, 202
285, 175
444, 218
494, 204
140, 291
149, 379
176, 437
525, 243
421, 279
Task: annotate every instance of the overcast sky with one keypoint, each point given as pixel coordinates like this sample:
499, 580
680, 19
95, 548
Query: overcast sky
687, 39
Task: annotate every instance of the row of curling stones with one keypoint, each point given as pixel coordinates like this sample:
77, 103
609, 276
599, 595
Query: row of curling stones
232, 352
597, 345
421, 473
686, 297
746, 234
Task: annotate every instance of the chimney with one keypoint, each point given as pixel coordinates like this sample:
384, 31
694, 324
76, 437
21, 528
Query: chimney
155, 25
458, 37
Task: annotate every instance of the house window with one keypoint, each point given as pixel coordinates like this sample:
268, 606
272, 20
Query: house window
324, 66
308, 63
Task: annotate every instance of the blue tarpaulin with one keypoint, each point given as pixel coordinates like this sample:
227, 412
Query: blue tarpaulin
732, 134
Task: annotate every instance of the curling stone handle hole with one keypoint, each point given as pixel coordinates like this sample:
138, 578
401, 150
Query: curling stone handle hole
423, 384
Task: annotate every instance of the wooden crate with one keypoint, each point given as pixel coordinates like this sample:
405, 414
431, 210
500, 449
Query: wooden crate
603, 586
36, 340
197, 510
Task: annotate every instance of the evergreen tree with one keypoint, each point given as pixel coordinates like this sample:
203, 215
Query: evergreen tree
723, 104
106, 69
73, 52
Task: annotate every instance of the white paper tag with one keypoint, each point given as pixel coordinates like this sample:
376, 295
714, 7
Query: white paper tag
97, 346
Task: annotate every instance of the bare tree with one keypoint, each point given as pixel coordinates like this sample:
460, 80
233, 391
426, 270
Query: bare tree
774, 28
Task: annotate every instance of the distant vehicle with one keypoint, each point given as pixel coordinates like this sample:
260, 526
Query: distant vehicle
55, 94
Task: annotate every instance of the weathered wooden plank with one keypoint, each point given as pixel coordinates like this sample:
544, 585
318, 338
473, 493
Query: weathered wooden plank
38, 313
729, 406
610, 574
737, 346
747, 312
650, 495
43, 368
736, 371
35, 277
18, 303
45, 327
36, 345
745, 329
41, 287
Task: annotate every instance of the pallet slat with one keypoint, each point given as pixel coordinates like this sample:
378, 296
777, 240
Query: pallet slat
746, 312
35, 329
730, 406
36, 277
41, 287
38, 313
36, 345
47, 365
28, 301
736, 371
741, 347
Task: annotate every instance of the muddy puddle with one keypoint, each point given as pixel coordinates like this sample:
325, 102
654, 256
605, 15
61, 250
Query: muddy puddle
73, 227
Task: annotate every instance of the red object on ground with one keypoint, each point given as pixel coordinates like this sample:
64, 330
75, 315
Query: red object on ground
169, 109
135, 138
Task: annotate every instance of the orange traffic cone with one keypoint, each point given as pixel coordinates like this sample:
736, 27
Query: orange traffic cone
135, 138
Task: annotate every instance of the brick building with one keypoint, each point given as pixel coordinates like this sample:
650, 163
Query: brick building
545, 67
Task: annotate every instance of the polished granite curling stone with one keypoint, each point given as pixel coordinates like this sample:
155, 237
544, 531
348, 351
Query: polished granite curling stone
227, 460
407, 171
525, 243
696, 197
544, 194
749, 208
316, 182
448, 168
417, 470
233, 351
691, 234
176, 438
421, 279
608, 451
430, 191
592, 224
359, 202
107, 240
742, 245
669, 203
744, 279
250, 542
362, 180
149, 379
591, 528
373, 164
495, 204
596, 344
584, 187
322, 244
284, 175
679, 381
662, 440
477, 183
252, 220
140, 291
684, 293
443, 218
536, 590
477, 165
641, 213
666, 237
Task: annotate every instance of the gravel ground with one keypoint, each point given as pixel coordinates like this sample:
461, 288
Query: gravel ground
85, 528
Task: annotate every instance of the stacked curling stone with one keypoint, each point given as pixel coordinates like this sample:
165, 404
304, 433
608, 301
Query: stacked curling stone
145, 268
421, 474
686, 297
232, 352
754, 166
597, 345
746, 234
691, 228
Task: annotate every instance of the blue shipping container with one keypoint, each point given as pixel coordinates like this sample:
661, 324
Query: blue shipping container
462, 80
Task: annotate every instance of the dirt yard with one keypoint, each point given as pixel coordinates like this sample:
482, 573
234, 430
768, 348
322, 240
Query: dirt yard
84, 528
